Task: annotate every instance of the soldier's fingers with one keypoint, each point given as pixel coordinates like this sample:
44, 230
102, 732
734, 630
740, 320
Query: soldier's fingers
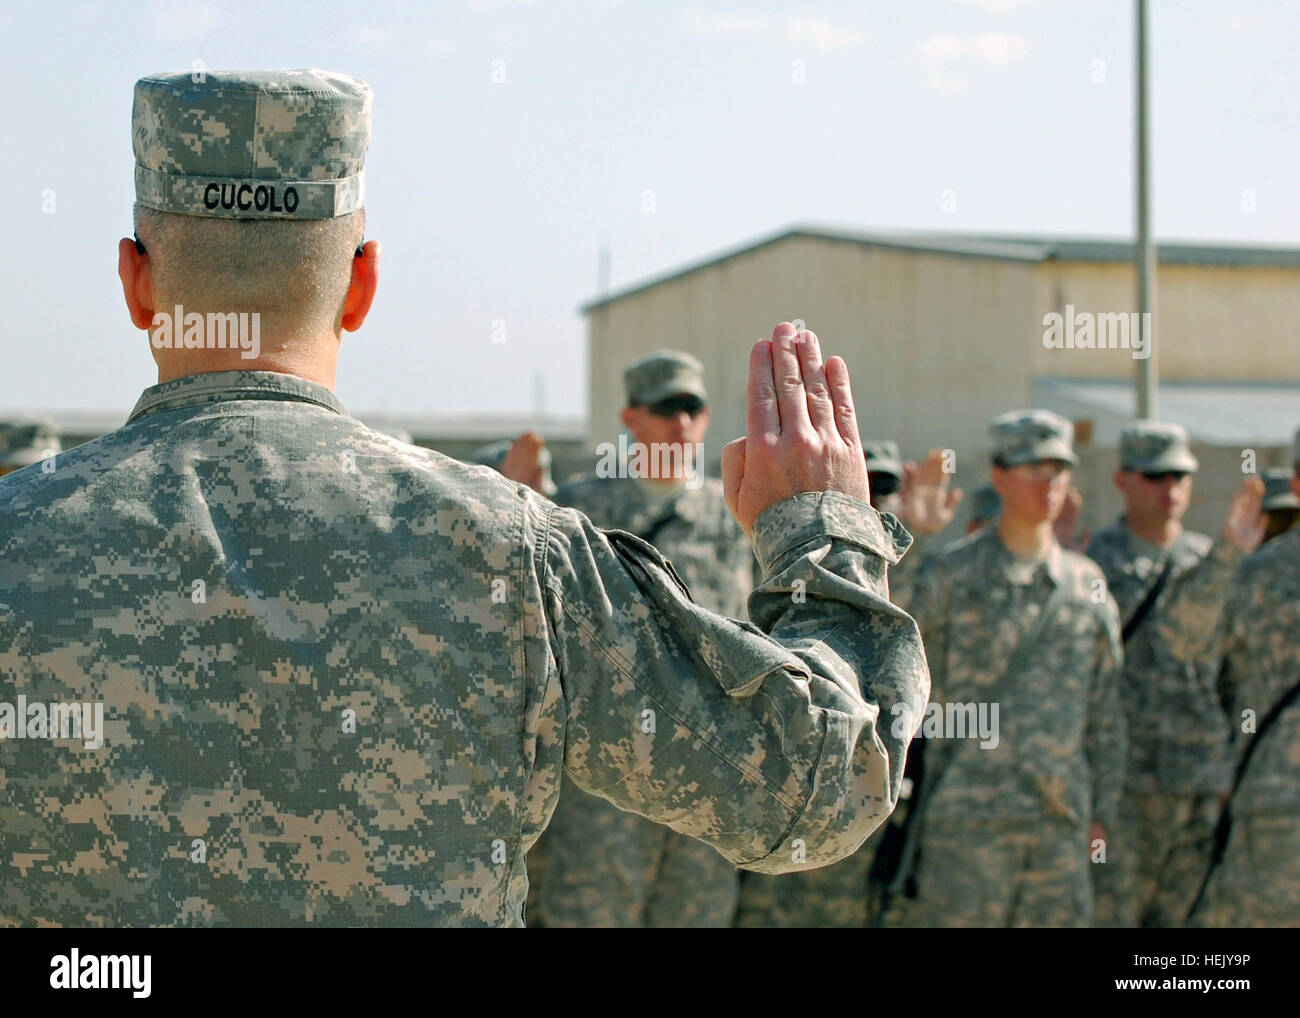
846, 417
791, 398
1249, 496
821, 411
733, 472
529, 443
761, 414
931, 470
954, 498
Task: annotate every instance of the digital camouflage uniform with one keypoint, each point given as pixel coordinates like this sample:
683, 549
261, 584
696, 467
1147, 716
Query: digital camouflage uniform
834, 895
1258, 881
1177, 731
340, 675
607, 867
1003, 837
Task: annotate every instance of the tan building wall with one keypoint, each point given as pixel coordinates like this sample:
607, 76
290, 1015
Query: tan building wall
1213, 323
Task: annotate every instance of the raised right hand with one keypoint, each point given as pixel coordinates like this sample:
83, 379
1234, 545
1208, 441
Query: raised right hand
928, 505
802, 431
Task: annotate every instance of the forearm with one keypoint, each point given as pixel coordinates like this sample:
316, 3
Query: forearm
775, 750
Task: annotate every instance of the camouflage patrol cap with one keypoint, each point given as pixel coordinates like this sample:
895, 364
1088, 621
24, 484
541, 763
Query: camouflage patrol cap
27, 441
1154, 447
985, 504
1277, 490
251, 144
664, 373
883, 458
1027, 436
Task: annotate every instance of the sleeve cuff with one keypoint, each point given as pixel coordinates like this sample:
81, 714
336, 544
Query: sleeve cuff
811, 515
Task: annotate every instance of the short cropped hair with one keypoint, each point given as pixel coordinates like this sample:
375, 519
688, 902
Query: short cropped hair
297, 270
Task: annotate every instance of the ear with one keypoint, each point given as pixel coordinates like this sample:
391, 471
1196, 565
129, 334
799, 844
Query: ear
137, 286
998, 478
365, 280
704, 420
1117, 478
628, 417
1295, 483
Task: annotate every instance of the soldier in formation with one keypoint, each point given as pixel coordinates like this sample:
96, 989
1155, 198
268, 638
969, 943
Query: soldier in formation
1281, 506
1025, 739
1254, 873
607, 867
1160, 573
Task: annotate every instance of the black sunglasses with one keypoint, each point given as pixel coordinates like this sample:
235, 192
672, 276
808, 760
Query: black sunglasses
1155, 477
883, 484
674, 405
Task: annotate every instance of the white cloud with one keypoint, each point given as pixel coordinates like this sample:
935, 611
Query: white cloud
824, 36
705, 23
991, 48
441, 47
948, 61
810, 32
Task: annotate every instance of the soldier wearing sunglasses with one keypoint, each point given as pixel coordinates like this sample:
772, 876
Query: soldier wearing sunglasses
606, 867
1168, 583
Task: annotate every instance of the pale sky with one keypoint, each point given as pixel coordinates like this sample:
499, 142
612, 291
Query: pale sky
669, 130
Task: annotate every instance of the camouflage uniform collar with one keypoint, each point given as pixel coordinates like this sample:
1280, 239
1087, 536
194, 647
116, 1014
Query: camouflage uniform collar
1177, 549
225, 386
1003, 562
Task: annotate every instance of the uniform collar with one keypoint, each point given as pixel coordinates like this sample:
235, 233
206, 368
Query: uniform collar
1176, 550
225, 386
1051, 564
